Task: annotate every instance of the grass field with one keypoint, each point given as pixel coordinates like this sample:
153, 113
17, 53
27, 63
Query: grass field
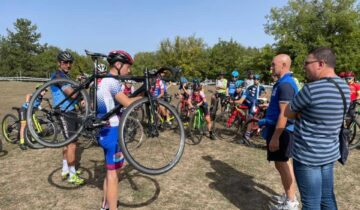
211, 175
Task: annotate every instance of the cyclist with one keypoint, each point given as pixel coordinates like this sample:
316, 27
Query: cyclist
231, 85
184, 89
109, 94
199, 98
65, 60
354, 92
250, 80
240, 85
342, 75
158, 90
250, 99
128, 87
23, 110
221, 85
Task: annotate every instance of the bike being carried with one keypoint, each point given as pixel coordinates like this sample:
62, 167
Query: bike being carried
146, 147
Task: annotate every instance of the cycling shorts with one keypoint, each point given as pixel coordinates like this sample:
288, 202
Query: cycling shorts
22, 113
108, 140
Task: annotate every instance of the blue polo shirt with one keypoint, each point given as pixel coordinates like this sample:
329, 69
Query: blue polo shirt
58, 93
283, 91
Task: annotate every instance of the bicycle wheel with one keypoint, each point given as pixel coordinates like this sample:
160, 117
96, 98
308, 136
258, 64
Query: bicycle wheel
160, 149
354, 139
196, 128
30, 141
67, 114
10, 128
214, 109
225, 128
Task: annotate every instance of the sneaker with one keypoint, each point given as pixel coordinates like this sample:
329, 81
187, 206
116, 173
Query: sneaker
104, 208
65, 175
278, 199
76, 180
287, 205
23, 146
212, 136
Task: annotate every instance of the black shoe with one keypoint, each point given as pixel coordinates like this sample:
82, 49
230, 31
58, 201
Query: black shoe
23, 146
212, 137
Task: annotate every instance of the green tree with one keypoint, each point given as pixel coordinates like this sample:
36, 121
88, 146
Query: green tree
145, 60
302, 25
18, 49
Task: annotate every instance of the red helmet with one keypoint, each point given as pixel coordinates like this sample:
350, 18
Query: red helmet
120, 55
342, 74
349, 74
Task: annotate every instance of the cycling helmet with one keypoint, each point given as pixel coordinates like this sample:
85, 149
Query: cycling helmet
183, 80
239, 83
256, 77
196, 86
101, 68
235, 73
38, 86
119, 55
349, 74
342, 74
65, 56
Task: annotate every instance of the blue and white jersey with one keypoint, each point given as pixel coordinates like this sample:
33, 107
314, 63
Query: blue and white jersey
37, 103
231, 85
106, 92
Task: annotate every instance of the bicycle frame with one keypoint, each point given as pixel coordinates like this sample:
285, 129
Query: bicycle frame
198, 118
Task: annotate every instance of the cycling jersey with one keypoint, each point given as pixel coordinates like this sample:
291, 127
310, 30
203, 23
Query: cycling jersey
37, 103
58, 93
221, 84
107, 90
354, 88
156, 89
199, 97
127, 91
253, 92
231, 85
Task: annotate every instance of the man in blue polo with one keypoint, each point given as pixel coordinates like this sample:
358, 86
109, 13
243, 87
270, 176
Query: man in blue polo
278, 131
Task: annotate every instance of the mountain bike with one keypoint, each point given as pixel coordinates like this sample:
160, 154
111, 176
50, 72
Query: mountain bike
160, 149
196, 125
43, 126
353, 124
229, 124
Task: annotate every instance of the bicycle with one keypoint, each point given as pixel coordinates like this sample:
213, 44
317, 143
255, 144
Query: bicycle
42, 123
196, 125
154, 155
219, 98
229, 124
352, 123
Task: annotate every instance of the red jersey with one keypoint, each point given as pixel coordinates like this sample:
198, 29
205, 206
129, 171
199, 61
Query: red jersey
354, 88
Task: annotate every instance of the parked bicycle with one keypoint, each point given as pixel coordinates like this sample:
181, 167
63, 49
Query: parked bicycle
159, 151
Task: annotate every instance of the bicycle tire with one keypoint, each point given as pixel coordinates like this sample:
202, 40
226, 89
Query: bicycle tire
30, 141
195, 133
10, 128
223, 131
354, 140
135, 157
57, 115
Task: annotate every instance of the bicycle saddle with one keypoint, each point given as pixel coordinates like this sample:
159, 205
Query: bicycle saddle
94, 54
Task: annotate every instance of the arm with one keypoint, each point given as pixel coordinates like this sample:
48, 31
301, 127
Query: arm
27, 98
280, 125
289, 113
125, 100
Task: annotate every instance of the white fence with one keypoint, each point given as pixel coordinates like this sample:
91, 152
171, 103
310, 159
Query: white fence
25, 79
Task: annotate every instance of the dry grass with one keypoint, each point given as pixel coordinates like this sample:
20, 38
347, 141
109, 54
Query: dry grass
211, 175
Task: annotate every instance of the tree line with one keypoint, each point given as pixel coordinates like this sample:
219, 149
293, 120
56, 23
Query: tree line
298, 27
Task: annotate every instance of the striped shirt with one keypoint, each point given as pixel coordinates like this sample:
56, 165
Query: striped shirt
316, 133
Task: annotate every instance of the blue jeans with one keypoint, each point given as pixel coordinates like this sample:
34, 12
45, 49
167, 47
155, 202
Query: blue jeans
316, 186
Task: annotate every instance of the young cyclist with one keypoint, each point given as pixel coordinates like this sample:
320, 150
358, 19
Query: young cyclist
158, 90
240, 85
109, 94
198, 99
231, 85
23, 111
128, 87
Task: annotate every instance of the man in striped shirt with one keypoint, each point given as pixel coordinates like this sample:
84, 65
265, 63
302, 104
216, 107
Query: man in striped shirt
318, 109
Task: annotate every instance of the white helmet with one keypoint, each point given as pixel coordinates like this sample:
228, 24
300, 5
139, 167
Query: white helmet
101, 68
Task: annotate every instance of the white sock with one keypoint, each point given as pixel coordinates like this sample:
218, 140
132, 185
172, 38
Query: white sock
72, 170
65, 168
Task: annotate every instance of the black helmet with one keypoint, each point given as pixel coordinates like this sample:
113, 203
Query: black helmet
65, 56
119, 55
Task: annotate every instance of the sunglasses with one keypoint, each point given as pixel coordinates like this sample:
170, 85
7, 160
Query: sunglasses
66, 62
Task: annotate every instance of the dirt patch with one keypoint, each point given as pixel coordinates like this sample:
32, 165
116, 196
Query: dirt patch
211, 175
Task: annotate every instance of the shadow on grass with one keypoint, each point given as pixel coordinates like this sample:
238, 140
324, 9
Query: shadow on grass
239, 188
55, 179
3, 153
136, 190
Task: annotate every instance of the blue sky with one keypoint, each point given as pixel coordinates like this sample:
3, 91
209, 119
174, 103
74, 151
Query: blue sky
139, 25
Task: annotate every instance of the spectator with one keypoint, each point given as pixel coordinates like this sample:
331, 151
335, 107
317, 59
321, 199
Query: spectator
318, 109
